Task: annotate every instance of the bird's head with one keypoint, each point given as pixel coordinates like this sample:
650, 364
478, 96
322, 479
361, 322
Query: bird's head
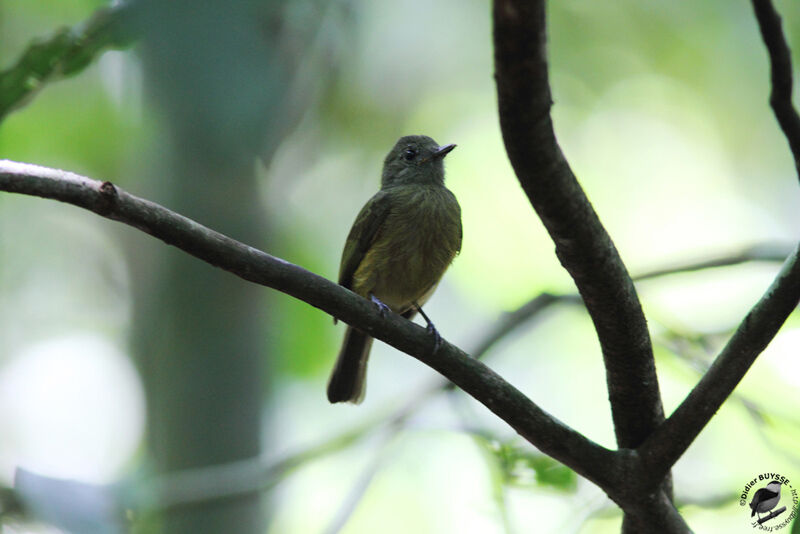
415, 159
774, 486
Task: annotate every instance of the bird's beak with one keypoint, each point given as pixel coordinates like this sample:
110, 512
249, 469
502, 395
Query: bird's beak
442, 151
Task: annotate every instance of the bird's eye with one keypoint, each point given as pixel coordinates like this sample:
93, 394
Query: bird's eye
409, 153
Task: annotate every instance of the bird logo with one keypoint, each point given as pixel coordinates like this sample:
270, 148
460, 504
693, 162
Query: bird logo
775, 501
765, 499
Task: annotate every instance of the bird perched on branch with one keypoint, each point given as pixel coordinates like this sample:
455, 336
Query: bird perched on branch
399, 247
766, 498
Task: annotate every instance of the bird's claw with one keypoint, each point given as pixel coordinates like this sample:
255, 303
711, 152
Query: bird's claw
383, 309
437, 338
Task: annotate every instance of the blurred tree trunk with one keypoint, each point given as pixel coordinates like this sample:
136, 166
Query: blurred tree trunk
200, 345
212, 68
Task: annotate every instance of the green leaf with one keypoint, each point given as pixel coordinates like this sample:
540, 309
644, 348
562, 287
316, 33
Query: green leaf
522, 466
65, 53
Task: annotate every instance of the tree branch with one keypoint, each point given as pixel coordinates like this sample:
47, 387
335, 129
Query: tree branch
761, 324
606, 468
587, 458
65, 53
509, 322
766, 252
582, 244
780, 61
759, 327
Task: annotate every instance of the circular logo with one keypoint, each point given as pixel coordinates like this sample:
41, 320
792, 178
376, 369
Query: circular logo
770, 501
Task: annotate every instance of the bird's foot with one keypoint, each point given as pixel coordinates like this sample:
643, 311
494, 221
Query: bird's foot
383, 309
437, 338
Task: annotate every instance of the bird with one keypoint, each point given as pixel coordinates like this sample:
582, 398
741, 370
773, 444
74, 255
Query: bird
766, 498
401, 243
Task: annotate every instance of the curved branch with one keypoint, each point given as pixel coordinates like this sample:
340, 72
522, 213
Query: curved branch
582, 244
761, 324
759, 327
666, 445
780, 61
508, 323
587, 458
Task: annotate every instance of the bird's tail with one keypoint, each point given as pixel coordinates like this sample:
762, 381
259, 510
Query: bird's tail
347, 380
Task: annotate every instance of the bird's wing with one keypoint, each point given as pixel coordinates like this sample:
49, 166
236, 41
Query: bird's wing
363, 233
460, 232
460, 228
758, 496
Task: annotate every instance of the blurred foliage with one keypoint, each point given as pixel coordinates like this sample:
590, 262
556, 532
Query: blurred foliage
69, 505
523, 468
67, 52
662, 111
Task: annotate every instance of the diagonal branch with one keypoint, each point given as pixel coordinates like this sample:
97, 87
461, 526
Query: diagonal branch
510, 322
755, 332
780, 61
582, 244
761, 324
552, 437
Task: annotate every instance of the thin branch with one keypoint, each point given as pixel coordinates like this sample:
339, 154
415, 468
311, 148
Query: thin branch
200, 485
552, 437
697, 359
226, 480
181, 490
759, 327
772, 514
759, 252
582, 244
65, 53
780, 61
361, 484
665, 446
510, 321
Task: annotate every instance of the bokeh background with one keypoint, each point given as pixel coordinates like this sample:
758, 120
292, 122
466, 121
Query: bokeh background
661, 109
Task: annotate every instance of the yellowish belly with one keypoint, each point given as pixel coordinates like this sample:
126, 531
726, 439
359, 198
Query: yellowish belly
412, 252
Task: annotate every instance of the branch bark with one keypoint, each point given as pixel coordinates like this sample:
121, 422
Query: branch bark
552, 437
582, 244
583, 247
780, 62
665, 446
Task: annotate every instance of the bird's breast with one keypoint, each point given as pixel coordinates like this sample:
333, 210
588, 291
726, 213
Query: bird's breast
416, 244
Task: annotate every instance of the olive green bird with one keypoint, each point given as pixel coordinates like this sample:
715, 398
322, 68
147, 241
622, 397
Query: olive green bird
400, 245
